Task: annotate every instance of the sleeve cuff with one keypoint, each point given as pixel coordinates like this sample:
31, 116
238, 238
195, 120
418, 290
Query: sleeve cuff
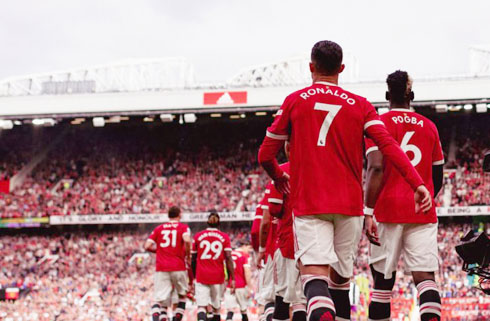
371, 149
368, 211
275, 136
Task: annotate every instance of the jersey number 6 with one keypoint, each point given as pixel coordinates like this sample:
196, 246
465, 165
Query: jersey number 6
406, 147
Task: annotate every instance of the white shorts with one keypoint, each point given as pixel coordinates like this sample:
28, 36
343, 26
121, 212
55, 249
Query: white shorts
209, 294
328, 239
417, 242
266, 283
165, 282
288, 282
237, 300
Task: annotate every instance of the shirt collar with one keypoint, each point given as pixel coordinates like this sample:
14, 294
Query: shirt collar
212, 229
403, 110
325, 83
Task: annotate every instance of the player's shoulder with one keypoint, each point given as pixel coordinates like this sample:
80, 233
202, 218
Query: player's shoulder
183, 226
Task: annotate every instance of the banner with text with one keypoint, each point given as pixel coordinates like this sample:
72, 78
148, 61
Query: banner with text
144, 218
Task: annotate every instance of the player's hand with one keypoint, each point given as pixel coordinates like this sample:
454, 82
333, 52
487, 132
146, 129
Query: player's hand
371, 230
260, 260
232, 287
282, 184
423, 200
249, 293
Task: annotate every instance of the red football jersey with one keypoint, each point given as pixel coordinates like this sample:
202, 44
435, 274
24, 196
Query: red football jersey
271, 244
281, 207
210, 246
325, 125
170, 246
240, 261
419, 138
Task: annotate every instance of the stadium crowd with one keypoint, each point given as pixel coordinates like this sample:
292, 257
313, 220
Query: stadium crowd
103, 275
142, 169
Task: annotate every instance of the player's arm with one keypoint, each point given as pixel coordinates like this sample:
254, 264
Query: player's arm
275, 202
374, 178
150, 246
437, 163
274, 140
264, 234
255, 230
376, 130
151, 242
437, 178
194, 256
186, 237
248, 275
229, 265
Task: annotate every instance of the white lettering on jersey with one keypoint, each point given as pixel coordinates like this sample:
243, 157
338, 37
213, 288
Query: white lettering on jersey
407, 120
327, 91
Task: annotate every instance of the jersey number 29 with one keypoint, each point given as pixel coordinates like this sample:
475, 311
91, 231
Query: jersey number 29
215, 247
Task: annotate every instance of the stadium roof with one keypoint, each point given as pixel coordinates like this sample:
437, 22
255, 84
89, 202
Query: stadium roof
152, 86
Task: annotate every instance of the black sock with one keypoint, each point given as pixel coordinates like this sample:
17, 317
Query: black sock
269, 311
210, 316
229, 315
201, 314
299, 312
429, 301
380, 305
320, 305
340, 297
155, 312
281, 309
217, 317
244, 316
179, 312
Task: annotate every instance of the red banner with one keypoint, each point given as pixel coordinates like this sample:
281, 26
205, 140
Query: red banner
4, 186
225, 98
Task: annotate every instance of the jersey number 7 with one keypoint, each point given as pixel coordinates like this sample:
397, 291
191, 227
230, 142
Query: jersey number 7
332, 112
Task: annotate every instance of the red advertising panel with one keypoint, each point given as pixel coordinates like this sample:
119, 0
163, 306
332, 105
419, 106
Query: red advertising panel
225, 98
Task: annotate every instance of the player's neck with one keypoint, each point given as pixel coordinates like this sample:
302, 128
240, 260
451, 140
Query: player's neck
174, 219
333, 79
400, 106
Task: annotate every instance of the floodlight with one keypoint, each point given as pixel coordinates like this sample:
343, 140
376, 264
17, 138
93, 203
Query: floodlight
98, 121
190, 118
166, 118
441, 108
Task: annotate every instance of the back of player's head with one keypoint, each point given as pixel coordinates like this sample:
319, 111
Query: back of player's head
399, 87
213, 219
174, 212
327, 56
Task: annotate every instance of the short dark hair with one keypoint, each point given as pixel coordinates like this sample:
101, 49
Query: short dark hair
326, 56
397, 86
173, 212
213, 218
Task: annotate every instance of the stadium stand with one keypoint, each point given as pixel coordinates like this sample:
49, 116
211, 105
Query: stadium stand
136, 168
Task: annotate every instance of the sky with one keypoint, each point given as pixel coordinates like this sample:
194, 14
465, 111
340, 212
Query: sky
426, 38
